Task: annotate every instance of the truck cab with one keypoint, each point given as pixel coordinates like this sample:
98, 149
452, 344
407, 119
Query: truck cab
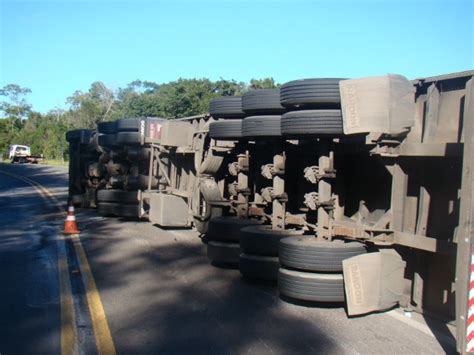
19, 153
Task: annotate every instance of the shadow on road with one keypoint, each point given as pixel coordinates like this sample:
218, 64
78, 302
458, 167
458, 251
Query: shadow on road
177, 303
29, 294
50, 176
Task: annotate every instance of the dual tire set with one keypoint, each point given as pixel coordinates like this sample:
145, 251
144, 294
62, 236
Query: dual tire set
117, 203
223, 239
299, 109
83, 151
120, 141
246, 244
306, 269
120, 132
311, 270
255, 114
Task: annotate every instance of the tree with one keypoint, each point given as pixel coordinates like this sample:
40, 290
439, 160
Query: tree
15, 105
14, 109
229, 87
266, 83
137, 100
92, 107
185, 97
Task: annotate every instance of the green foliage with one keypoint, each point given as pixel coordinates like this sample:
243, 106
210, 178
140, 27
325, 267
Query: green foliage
45, 133
266, 83
14, 105
9, 128
137, 100
14, 109
185, 97
88, 109
229, 88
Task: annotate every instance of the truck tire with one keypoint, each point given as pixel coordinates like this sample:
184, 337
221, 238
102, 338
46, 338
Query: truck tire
263, 240
202, 226
311, 93
82, 136
117, 209
226, 107
308, 286
138, 153
211, 165
107, 140
312, 122
106, 127
223, 253
140, 182
227, 229
128, 138
117, 196
73, 135
261, 126
310, 254
226, 130
94, 143
262, 102
259, 267
127, 125
203, 212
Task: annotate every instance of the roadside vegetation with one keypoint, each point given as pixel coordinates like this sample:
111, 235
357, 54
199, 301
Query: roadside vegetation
45, 132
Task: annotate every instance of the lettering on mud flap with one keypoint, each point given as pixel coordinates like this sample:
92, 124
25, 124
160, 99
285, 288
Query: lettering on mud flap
356, 285
352, 116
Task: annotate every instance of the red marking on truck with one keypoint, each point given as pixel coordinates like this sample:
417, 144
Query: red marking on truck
155, 130
470, 303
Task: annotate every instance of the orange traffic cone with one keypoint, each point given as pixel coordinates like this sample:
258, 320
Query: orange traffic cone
70, 225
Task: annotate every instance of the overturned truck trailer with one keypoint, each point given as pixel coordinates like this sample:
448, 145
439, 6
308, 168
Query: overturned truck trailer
343, 190
367, 185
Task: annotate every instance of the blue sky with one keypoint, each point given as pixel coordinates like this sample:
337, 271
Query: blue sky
57, 47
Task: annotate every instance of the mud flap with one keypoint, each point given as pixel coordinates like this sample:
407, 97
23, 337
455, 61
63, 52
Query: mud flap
381, 104
373, 282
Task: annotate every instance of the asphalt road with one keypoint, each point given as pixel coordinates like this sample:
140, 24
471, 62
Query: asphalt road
161, 295
29, 294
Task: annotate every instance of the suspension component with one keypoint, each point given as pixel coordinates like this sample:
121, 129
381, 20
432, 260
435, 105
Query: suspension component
312, 201
267, 194
312, 174
233, 188
234, 168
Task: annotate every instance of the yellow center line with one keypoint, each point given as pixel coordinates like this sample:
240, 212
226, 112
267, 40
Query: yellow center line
40, 189
103, 337
100, 325
68, 322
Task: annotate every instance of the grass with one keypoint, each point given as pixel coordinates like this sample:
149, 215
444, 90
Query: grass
52, 162
55, 162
